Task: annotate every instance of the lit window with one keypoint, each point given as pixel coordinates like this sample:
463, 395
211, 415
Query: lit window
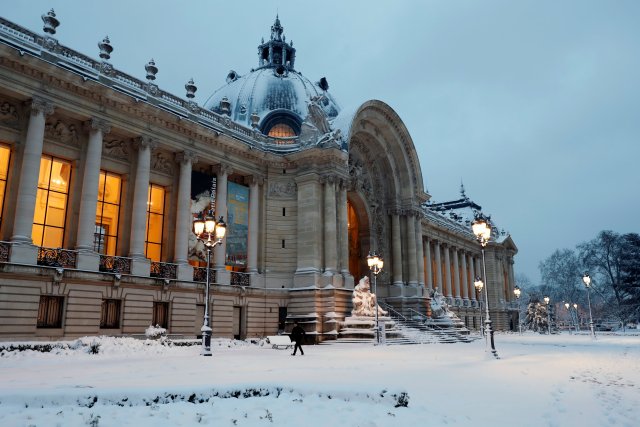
5, 153
51, 202
155, 222
105, 238
282, 130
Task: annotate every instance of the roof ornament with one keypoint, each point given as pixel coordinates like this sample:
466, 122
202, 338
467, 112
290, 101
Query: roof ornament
191, 88
464, 196
255, 120
50, 22
225, 106
151, 70
276, 30
105, 48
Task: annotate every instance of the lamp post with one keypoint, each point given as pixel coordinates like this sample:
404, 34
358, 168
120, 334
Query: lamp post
546, 301
210, 233
482, 230
575, 309
479, 284
587, 283
375, 263
568, 307
516, 292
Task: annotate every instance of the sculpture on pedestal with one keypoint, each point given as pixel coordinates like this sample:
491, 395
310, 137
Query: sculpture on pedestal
364, 301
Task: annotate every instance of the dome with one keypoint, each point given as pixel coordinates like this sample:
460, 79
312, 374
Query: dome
274, 98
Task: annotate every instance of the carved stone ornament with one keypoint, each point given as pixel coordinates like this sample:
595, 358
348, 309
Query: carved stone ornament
39, 105
282, 189
161, 162
185, 157
117, 149
98, 124
62, 132
9, 114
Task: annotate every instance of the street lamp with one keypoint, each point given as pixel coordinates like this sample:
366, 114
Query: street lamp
568, 306
375, 263
587, 283
575, 309
482, 230
479, 284
210, 233
516, 292
546, 301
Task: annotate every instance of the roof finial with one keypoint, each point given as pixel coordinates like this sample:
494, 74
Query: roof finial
276, 30
464, 196
50, 22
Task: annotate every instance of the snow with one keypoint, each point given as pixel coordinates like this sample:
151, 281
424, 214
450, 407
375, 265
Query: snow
539, 380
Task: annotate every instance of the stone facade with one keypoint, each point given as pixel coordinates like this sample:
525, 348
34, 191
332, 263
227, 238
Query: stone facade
303, 250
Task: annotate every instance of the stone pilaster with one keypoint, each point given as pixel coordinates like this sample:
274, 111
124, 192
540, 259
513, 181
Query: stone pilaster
456, 274
396, 248
309, 231
220, 252
464, 285
330, 227
185, 159
411, 250
343, 235
22, 250
438, 256
419, 255
448, 291
254, 215
427, 252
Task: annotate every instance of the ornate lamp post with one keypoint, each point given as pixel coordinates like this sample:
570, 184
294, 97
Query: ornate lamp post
568, 307
517, 292
575, 309
210, 233
587, 283
546, 301
479, 284
375, 263
482, 230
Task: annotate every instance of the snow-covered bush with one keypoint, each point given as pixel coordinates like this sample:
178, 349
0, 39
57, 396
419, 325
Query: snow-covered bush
155, 332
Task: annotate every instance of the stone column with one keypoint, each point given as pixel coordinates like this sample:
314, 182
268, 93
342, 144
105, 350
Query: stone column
464, 285
140, 264
439, 282
472, 277
220, 252
411, 251
330, 242
254, 215
396, 248
309, 229
343, 232
22, 249
447, 273
419, 255
87, 258
427, 252
456, 274
184, 219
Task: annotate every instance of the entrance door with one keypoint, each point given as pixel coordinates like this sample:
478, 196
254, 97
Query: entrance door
355, 248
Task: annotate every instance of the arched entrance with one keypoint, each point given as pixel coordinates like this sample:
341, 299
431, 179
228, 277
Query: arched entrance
359, 240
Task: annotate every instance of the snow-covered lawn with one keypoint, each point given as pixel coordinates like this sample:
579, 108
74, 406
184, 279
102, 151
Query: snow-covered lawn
559, 380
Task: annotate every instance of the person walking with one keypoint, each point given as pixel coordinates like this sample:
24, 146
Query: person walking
297, 336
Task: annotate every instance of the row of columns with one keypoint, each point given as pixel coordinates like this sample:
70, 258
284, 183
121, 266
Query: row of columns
28, 186
407, 252
455, 276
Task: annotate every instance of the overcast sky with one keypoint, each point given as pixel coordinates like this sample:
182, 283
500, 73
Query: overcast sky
534, 105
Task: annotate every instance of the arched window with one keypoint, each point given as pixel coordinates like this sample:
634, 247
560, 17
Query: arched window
282, 130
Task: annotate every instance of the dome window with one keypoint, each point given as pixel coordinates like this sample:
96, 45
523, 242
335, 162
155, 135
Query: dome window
282, 130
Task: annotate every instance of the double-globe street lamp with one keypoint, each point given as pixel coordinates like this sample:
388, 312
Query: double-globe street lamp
587, 283
517, 292
210, 233
482, 230
375, 263
479, 284
546, 301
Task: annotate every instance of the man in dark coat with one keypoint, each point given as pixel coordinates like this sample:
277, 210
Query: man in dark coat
297, 336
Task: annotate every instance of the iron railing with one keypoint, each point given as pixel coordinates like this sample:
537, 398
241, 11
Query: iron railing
200, 274
164, 270
115, 264
5, 250
57, 257
240, 279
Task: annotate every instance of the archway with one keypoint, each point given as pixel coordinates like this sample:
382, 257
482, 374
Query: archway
359, 239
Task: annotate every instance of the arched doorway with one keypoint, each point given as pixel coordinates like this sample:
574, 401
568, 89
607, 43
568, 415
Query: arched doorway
358, 228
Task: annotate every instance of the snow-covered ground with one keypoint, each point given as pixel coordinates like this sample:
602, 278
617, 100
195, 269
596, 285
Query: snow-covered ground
559, 380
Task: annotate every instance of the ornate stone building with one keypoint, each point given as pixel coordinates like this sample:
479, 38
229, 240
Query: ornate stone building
101, 174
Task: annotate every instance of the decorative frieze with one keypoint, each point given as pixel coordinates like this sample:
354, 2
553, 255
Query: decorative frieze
60, 131
117, 149
161, 162
9, 115
282, 189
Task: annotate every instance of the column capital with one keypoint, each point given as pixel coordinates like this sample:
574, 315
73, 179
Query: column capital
41, 105
222, 169
186, 157
256, 179
95, 123
145, 141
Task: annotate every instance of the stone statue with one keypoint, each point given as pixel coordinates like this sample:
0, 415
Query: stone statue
439, 307
365, 303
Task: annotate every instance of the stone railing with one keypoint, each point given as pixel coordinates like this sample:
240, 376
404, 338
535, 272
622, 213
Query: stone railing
200, 274
240, 279
164, 270
115, 264
57, 257
5, 250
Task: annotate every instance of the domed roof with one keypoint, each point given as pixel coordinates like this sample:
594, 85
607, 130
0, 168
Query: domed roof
274, 93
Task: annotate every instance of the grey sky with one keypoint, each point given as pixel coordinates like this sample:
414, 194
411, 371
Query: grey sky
534, 105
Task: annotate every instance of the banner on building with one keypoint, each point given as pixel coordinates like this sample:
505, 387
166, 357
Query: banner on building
237, 224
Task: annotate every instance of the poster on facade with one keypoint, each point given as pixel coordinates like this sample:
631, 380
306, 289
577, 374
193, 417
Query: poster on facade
237, 224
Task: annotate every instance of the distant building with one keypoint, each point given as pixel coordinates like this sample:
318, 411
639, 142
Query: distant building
101, 174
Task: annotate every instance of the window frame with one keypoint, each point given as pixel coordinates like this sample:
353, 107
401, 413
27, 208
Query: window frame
47, 319
110, 307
